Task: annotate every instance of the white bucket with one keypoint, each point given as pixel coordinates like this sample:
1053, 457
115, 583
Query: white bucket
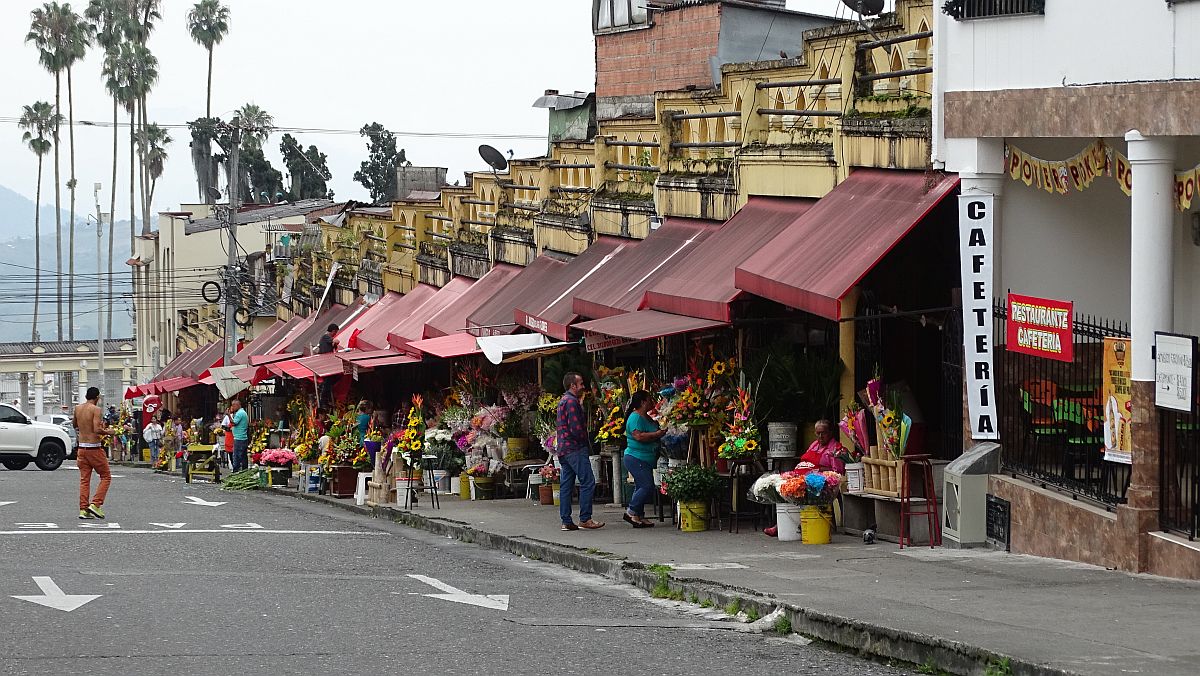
595, 461
854, 477
435, 477
788, 522
782, 437
455, 486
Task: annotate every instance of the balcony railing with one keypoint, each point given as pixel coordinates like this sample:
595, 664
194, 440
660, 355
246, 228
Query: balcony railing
983, 9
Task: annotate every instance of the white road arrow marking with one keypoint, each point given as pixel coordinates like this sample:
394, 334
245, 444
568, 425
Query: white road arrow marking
493, 601
53, 597
7, 502
193, 500
168, 525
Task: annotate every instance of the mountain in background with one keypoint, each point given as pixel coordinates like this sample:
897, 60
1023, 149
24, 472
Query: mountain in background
16, 213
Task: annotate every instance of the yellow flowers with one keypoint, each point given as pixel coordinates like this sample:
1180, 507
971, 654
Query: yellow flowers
752, 445
694, 399
719, 368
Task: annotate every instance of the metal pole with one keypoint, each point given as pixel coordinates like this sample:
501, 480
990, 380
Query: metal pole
100, 300
231, 275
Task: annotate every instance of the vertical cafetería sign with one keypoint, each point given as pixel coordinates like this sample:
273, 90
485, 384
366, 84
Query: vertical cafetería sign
975, 221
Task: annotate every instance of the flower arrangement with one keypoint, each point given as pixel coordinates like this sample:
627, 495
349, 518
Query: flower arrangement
520, 396
164, 460
305, 444
549, 474
361, 460
741, 434
480, 469
262, 434
892, 425
766, 489
690, 483
808, 486
277, 457
854, 426
471, 386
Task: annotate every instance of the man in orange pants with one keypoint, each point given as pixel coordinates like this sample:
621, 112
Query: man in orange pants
89, 420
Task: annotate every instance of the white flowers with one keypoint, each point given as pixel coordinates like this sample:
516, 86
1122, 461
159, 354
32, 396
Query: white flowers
438, 434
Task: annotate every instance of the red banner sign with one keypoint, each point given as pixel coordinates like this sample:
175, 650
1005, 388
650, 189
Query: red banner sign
1041, 327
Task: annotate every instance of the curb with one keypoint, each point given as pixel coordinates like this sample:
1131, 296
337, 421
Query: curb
848, 633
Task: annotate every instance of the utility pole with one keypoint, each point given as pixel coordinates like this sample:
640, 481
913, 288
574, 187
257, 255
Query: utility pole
231, 280
100, 300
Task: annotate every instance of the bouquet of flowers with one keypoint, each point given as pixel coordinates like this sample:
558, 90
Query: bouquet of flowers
741, 434
808, 486
305, 444
549, 473
766, 489
892, 425
262, 434
373, 433
361, 460
479, 469
854, 426
690, 406
277, 457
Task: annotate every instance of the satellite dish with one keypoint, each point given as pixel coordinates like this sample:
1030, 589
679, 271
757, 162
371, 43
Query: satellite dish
494, 159
214, 194
865, 7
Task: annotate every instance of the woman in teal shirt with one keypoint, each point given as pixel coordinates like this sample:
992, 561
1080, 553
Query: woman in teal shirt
364, 419
641, 449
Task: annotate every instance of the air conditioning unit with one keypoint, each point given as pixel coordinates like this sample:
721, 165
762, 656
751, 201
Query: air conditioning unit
917, 58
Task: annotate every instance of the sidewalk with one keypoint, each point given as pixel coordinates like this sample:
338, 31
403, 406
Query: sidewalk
960, 609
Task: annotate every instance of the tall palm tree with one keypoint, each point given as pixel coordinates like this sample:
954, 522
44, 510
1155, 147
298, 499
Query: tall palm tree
48, 30
153, 141
38, 120
257, 125
143, 77
77, 37
208, 22
110, 21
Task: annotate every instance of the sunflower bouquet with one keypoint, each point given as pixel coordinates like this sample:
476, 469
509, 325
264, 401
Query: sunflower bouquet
891, 424
690, 406
412, 438
740, 432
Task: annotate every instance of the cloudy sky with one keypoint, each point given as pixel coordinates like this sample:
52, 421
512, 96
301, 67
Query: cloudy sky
461, 66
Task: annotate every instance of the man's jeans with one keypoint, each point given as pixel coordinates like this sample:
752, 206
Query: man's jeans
239, 454
643, 482
576, 464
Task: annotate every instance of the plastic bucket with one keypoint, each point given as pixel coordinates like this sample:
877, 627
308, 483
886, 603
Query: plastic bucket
402, 486
594, 461
815, 525
464, 487
436, 477
484, 488
854, 477
788, 522
782, 438
693, 517
555, 487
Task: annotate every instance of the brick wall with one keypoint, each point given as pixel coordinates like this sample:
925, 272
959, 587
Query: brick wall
670, 55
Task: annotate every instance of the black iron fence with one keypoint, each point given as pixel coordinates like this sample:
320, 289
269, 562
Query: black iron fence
1051, 415
982, 9
1179, 441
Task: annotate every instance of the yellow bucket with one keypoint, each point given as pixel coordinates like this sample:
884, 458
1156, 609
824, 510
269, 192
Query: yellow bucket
554, 488
815, 524
693, 517
464, 487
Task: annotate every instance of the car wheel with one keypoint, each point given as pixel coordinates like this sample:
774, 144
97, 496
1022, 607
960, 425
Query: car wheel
16, 464
50, 456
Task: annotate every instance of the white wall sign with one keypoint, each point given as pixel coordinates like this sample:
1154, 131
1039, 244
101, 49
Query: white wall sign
1174, 370
975, 221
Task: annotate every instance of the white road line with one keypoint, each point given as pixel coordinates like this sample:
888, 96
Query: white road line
227, 531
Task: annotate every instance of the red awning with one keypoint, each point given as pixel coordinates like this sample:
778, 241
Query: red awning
306, 337
305, 368
453, 317
453, 345
495, 317
362, 355
175, 384
393, 359
208, 380
640, 325
263, 359
373, 331
252, 374
548, 309
275, 344
701, 285
412, 326
133, 392
622, 287
377, 311
820, 256
263, 340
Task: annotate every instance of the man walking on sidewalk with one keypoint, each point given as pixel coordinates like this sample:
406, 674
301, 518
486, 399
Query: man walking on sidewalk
241, 434
572, 451
89, 421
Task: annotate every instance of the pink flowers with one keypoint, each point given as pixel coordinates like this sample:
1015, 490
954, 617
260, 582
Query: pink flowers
278, 457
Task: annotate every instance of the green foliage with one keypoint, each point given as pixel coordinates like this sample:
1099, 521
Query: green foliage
692, 483
266, 182
795, 386
998, 667
733, 607
208, 23
783, 625
39, 121
378, 173
707, 603
554, 368
694, 599
752, 613
308, 170
662, 588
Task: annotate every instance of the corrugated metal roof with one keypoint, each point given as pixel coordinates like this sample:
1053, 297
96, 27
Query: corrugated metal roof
112, 346
453, 318
422, 196
258, 215
495, 317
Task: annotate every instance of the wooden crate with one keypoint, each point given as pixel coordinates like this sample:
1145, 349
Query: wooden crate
882, 477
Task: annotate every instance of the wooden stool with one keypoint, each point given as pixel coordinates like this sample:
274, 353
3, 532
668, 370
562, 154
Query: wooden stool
929, 509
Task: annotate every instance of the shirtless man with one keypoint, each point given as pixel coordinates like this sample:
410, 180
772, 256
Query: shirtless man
89, 421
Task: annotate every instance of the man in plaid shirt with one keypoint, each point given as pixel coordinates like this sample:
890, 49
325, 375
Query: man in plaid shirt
572, 451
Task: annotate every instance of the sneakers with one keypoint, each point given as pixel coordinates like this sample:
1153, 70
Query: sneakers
95, 511
83, 514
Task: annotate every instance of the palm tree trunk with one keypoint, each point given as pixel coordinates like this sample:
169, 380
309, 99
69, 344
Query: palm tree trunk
112, 221
58, 209
71, 186
132, 201
37, 250
142, 178
208, 99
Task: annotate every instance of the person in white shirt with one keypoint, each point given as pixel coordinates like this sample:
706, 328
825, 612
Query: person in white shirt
153, 434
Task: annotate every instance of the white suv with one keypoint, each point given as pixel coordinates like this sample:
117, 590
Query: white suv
23, 440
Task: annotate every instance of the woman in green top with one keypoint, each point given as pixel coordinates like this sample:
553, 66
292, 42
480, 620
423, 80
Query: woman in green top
364, 419
641, 449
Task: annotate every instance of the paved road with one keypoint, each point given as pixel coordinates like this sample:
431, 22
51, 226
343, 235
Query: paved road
266, 584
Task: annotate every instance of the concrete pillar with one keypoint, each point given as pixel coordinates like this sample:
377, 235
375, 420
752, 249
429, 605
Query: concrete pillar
846, 350
24, 392
39, 384
83, 385
1151, 274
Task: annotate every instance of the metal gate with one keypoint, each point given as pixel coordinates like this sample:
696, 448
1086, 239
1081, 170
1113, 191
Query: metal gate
952, 384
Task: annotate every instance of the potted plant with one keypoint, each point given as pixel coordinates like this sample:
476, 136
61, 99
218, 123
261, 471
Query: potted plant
278, 462
548, 490
372, 442
692, 486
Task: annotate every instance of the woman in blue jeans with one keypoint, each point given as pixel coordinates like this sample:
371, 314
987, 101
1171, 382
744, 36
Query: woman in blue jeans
641, 449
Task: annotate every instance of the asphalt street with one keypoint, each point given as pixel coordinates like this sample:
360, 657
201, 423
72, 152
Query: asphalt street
266, 584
